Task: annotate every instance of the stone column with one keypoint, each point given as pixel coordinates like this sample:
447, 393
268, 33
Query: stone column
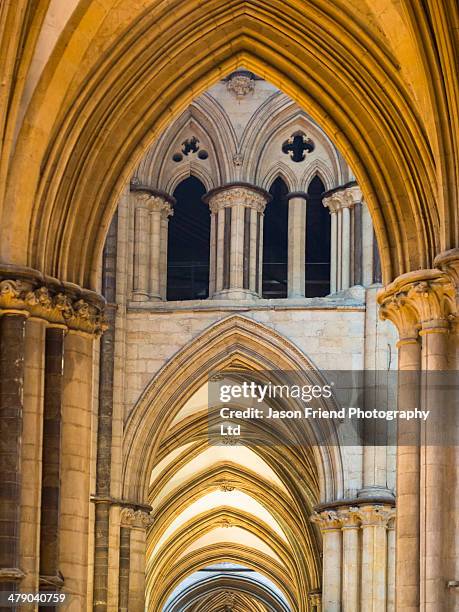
76, 465
341, 202
374, 521
367, 247
334, 251
12, 350
422, 300
329, 523
137, 521
236, 239
434, 495
124, 560
351, 558
32, 436
397, 309
151, 212
391, 556
50, 576
296, 244
104, 424
64, 543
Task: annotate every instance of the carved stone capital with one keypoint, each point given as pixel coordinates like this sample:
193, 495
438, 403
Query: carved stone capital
376, 516
425, 298
327, 520
154, 202
347, 197
47, 298
237, 195
349, 517
135, 519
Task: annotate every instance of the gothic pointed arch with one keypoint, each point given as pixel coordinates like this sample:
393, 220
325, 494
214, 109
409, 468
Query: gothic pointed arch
235, 339
382, 131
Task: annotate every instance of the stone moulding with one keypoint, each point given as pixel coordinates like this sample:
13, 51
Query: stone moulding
44, 297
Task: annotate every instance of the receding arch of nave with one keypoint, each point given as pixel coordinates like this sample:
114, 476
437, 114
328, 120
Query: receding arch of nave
247, 505
318, 53
238, 591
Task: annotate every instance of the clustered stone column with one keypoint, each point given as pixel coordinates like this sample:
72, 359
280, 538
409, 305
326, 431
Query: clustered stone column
133, 527
152, 210
47, 330
423, 306
355, 557
236, 240
341, 203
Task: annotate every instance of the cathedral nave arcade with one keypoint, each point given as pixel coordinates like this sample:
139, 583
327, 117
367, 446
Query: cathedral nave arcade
190, 190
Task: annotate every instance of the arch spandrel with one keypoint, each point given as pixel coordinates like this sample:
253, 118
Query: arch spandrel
375, 123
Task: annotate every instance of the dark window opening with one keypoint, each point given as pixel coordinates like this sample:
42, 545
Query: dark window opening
317, 281
188, 243
275, 242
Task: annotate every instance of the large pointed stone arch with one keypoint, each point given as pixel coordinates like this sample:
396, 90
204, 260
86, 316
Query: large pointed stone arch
335, 59
234, 339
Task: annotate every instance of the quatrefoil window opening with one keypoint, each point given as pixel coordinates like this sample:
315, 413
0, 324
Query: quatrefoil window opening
190, 146
297, 145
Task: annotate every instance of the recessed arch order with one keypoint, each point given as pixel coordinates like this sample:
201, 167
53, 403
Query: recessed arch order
113, 83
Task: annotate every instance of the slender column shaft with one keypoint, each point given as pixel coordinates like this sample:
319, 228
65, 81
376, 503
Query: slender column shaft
351, 565
367, 247
374, 557
163, 256
253, 251
213, 253
339, 258
391, 567
296, 246
51, 465
334, 252
237, 247
123, 588
141, 253
261, 218
408, 476
12, 349
32, 439
220, 225
104, 423
332, 568
433, 474
137, 570
75, 465
346, 249
155, 254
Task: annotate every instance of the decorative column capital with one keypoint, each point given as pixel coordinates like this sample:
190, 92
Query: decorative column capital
376, 516
135, 519
154, 200
345, 197
327, 520
425, 298
27, 290
237, 194
349, 517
